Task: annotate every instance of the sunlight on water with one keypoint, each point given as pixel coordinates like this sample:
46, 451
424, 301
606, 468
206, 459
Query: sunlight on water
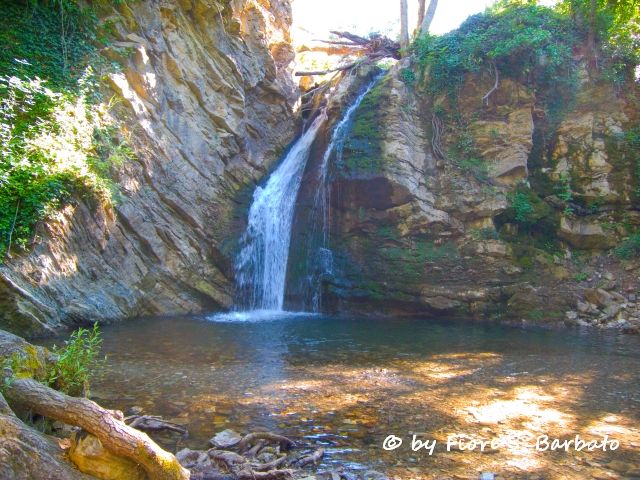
346, 383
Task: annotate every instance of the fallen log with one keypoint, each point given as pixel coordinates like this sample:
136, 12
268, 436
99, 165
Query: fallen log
313, 457
106, 425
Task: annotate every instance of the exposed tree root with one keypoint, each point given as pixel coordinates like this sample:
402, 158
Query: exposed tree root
153, 423
108, 426
313, 457
250, 439
436, 137
485, 99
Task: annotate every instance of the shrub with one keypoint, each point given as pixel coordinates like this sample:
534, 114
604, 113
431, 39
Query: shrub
522, 206
76, 363
581, 276
521, 41
629, 248
50, 106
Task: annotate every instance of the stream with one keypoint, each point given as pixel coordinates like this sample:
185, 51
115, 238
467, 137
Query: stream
349, 383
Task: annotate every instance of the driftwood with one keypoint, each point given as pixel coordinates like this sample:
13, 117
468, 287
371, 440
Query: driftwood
250, 439
107, 425
313, 457
277, 463
366, 50
152, 423
238, 466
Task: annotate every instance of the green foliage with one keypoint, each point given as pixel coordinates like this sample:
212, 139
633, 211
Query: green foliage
49, 106
526, 42
629, 248
76, 363
362, 150
50, 38
581, 276
563, 188
475, 166
614, 26
408, 76
466, 156
522, 207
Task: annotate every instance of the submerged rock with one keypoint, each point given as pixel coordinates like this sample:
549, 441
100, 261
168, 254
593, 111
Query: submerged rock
226, 439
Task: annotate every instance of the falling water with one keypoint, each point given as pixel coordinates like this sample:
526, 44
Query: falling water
320, 257
261, 265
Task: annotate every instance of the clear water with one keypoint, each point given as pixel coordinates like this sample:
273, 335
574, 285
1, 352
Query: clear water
347, 383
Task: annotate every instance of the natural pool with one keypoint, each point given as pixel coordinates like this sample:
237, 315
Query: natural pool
348, 383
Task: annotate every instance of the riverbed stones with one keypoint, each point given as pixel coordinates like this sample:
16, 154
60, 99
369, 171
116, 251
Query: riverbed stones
225, 439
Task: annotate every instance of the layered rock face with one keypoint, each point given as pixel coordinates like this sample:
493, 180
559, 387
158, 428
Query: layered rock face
417, 232
206, 92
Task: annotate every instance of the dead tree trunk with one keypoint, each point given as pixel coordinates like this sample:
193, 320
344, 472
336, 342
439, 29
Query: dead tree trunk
421, 7
404, 25
427, 18
114, 434
357, 50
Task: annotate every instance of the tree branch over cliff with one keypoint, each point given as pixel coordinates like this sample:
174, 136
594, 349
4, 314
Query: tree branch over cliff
356, 50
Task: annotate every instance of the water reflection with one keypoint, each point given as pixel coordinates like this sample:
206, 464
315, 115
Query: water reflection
348, 383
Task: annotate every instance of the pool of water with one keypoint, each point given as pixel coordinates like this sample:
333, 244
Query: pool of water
349, 383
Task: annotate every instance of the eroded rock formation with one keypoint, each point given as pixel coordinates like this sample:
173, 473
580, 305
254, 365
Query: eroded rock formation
206, 92
418, 232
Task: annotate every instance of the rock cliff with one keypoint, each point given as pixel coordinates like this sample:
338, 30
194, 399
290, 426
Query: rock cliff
206, 93
513, 221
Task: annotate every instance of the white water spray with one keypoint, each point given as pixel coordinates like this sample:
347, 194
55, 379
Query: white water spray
261, 265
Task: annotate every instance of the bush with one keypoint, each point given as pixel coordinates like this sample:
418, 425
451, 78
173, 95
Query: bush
50, 106
76, 363
629, 248
525, 42
521, 206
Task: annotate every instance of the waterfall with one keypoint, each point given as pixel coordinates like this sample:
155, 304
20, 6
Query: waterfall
261, 265
319, 256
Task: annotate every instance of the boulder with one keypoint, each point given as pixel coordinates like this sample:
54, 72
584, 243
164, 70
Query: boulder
585, 234
599, 297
